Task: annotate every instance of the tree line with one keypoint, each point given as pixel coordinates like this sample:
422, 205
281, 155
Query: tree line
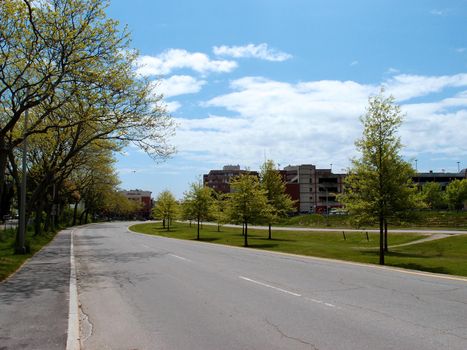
252, 200
377, 190
69, 91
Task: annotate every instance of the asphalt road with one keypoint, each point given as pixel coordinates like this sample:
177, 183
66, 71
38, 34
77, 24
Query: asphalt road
145, 292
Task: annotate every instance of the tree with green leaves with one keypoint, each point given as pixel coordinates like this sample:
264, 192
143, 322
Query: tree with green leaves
456, 194
197, 202
247, 202
166, 208
279, 201
379, 183
67, 73
432, 195
218, 209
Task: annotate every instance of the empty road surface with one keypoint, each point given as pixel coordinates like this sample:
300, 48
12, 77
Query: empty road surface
144, 292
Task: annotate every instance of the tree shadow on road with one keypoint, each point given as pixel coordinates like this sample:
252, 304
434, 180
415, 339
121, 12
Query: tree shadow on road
48, 270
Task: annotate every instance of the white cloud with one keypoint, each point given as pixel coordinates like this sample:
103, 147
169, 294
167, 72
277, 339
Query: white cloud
439, 12
172, 106
318, 121
354, 63
392, 71
461, 49
261, 51
404, 87
178, 85
174, 59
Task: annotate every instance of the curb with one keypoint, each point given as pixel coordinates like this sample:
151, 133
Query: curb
73, 340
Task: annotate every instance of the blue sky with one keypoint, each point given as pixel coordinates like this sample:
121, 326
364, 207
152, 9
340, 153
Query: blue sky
288, 80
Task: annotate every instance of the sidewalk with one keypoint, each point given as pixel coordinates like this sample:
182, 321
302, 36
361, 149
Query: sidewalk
34, 301
334, 229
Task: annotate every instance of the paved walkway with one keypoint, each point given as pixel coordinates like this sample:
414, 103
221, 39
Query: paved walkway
34, 301
432, 235
316, 229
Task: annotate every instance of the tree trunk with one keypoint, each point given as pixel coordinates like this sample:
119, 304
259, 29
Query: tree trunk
3, 165
20, 244
246, 234
82, 216
168, 224
270, 235
86, 217
381, 240
47, 218
218, 227
38, 220
197, 237
163, 223
75, 212
386, 249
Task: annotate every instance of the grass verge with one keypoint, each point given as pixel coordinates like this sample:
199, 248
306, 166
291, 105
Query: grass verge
447, 256
9, 261
430, 219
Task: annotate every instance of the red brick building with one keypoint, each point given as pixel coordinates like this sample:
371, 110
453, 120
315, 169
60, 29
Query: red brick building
143, 197
219, 180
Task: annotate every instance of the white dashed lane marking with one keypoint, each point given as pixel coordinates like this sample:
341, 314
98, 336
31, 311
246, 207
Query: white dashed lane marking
287, 292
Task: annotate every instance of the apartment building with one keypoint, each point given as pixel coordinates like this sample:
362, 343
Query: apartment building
314, 190
219, 180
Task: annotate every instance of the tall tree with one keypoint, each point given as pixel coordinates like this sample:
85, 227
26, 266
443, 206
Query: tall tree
198, 201
432, 195
379, 183
70, 70
218, 209
279, 201
247, 202
166, 208
456, 194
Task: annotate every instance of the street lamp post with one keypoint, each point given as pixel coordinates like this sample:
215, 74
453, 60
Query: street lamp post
458, 167
21, 242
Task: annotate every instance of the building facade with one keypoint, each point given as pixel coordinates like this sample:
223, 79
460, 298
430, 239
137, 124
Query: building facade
142, 197
314, 190
442, 178
219, 180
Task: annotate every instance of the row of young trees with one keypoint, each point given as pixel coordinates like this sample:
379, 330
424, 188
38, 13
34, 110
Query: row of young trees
252, 200
378, 189
68, 89
453, 197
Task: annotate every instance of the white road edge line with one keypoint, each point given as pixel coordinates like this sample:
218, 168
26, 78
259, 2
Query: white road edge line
73, 341
180, 257
269, 286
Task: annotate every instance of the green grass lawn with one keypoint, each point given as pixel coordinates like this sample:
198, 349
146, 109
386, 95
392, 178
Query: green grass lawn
456, 220
10, 262
447, 255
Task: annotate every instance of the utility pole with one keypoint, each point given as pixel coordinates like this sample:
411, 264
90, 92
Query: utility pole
458, 167
21, 241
